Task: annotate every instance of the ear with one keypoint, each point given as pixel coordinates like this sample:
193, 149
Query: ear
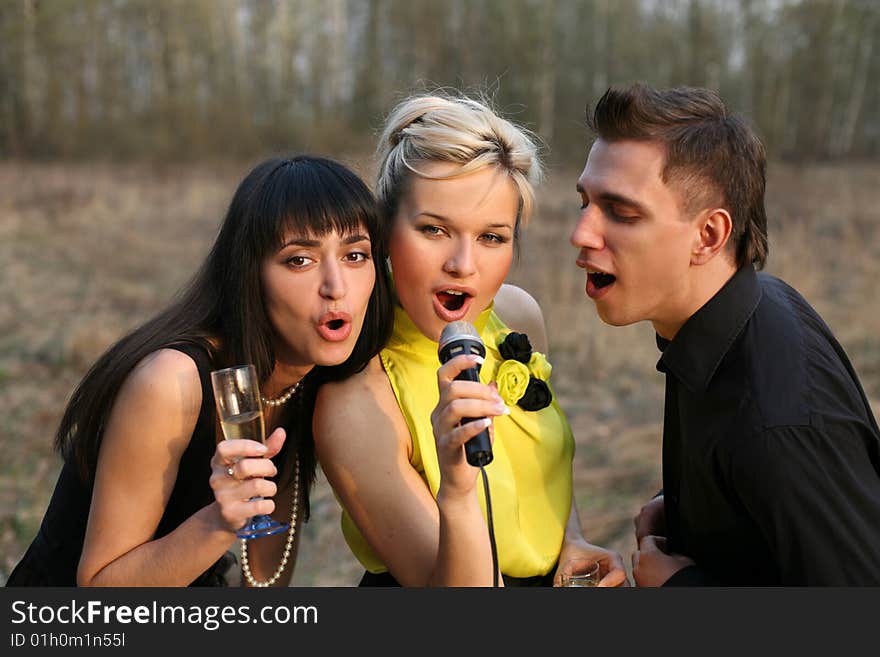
715, 226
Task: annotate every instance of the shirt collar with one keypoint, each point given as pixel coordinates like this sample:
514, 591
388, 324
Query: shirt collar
699, 346
407, 333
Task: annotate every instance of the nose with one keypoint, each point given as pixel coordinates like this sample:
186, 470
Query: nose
461, 262
587, 233
333, 281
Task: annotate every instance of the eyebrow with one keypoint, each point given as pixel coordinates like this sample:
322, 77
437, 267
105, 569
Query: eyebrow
446, 220
309, 243
613, 197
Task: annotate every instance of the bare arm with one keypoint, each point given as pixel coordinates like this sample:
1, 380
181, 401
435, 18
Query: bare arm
575, 546
364, 447
150, 425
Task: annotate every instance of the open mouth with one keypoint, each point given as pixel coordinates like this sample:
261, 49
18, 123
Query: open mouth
452, 299
335, 327
452, 304
601, 279
598, 283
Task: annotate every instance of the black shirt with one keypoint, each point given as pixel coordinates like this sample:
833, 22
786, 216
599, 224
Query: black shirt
771, 454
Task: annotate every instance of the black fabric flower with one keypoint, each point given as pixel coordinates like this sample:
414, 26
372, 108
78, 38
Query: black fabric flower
536, 396
516, 346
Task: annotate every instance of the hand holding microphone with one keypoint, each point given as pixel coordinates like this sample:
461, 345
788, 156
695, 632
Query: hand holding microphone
463, 416
465, 403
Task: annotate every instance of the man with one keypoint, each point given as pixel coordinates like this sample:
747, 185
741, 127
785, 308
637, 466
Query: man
771, 455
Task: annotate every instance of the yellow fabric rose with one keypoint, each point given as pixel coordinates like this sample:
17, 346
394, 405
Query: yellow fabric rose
513, 379
539, 366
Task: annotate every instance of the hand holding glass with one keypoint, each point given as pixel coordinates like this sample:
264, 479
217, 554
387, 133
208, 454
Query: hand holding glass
580, 573
237, 394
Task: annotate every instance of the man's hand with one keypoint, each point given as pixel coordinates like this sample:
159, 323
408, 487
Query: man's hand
651, 520
652, 566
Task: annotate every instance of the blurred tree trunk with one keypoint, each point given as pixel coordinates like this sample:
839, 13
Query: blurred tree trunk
16, 27
336, 51
828, 44
29, 84
547, 72
368, 69
843, 144
601, 45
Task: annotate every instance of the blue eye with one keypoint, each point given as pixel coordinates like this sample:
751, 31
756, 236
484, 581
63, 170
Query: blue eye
494, 238
431, 230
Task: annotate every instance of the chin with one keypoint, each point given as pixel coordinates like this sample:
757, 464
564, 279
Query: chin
611, 318
432, 328
335, 355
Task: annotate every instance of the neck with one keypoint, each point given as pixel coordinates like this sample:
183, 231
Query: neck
283, 376
705, 282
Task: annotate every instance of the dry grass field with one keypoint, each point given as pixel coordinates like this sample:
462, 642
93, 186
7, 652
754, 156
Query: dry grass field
89, 251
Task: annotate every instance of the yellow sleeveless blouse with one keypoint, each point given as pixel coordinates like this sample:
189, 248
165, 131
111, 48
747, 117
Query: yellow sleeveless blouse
530, 477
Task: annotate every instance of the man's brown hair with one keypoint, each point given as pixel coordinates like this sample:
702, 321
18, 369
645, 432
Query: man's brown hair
713, 156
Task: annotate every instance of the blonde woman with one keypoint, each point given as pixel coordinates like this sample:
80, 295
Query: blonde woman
455, 185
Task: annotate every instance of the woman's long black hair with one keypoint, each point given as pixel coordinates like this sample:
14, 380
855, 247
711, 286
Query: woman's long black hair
222, 309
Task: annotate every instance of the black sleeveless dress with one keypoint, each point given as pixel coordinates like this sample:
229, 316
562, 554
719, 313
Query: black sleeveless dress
53, 556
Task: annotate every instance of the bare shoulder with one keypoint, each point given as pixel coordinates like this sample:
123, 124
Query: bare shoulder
165, 391
521, 312
360, 397
367, 384
168, 372
360, 407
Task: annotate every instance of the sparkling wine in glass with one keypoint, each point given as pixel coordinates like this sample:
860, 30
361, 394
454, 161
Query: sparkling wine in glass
237, 394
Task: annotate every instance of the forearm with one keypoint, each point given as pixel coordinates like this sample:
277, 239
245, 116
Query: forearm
464, 555
573, 530
173, 560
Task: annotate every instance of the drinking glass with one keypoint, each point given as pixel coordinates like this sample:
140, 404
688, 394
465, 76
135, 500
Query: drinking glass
237, 394
580, 573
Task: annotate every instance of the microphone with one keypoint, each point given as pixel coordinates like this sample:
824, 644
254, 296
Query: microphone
457, 339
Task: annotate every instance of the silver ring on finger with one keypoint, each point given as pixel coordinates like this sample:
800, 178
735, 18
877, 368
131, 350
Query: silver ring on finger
230, 471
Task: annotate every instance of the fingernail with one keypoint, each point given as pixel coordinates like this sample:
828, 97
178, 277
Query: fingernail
502, 409
262, 449
485, 422
478, 359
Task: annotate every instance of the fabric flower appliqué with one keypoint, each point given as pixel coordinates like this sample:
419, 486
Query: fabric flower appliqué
522, 377
513, 380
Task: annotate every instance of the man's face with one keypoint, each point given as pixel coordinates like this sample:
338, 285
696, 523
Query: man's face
635, 238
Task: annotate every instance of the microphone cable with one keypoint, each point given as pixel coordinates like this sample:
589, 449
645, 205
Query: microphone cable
491, 527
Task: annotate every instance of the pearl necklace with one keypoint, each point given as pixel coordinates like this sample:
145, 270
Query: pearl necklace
284, 397
245, 565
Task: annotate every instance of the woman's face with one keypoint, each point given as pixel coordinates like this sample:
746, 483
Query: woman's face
316, 292
452, 244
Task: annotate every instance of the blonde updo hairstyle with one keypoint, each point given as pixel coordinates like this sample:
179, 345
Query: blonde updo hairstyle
439, 127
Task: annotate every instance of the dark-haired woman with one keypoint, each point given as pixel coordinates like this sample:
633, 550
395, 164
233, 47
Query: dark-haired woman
150, 494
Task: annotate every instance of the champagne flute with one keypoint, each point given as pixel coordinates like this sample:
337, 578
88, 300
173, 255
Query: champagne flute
237, 395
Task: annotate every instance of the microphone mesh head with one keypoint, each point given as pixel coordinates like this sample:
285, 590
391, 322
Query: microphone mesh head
456, 330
